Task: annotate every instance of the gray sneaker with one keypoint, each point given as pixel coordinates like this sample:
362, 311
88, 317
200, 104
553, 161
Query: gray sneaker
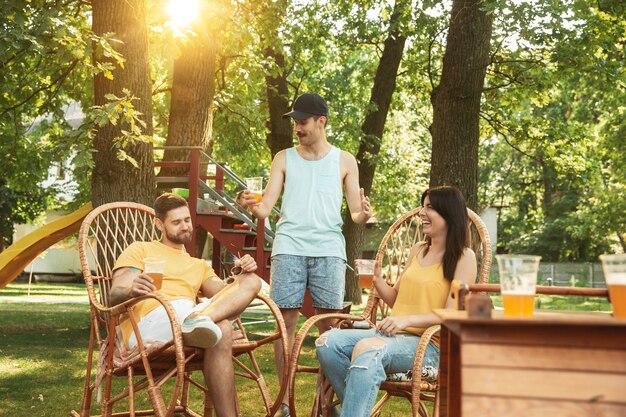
200, 332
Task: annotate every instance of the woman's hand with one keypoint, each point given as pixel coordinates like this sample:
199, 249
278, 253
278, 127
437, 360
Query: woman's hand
378, 271
390, 326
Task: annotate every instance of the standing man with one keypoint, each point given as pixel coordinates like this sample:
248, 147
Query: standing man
309, 249
206, 325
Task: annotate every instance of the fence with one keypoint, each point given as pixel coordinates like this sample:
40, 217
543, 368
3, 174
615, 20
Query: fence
569, 274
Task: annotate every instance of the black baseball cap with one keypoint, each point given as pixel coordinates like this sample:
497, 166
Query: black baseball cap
307, 105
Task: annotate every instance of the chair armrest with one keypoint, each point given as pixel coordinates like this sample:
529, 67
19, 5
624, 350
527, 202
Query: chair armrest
418, 363
344, 321
281, 331
125, 307
306, 327
272, 306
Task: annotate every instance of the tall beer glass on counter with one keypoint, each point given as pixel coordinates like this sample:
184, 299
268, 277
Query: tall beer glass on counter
518, 282
614, 267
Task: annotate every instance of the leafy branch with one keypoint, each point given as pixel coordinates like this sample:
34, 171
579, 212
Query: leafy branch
58, 80
121, 110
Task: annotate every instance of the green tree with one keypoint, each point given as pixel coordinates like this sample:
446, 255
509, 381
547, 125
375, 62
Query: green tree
123, 94
373, 127
456, 99
270, 19
41, 52
548, 158
551, 149
193, 93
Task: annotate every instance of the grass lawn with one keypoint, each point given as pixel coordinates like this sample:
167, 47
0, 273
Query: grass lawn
43, 351
558, 302
43, 348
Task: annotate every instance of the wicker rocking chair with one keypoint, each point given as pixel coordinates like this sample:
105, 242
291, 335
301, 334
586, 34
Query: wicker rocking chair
163, 370
415, 385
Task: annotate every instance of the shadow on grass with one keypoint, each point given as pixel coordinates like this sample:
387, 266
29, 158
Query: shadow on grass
43, 351
42, 358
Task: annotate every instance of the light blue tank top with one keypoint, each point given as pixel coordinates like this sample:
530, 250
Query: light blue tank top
310, 215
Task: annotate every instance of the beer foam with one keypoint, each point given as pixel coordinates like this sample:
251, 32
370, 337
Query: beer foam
517, 292
615, 278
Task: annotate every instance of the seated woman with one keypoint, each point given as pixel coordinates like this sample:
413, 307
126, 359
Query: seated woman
356, 361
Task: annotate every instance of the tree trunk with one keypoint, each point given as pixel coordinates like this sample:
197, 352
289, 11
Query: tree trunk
372, 128
280, 134
549, 179
112, 179
456, 100
271, 16
621, 241
191, 105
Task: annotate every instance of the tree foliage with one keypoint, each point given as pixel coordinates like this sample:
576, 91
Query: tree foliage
551, 148
42, 56
548, 159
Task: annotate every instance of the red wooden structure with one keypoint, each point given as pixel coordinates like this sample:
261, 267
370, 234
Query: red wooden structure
219, 220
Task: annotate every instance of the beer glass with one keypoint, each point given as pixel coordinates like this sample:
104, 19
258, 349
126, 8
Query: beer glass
255, 186
153, 267
365, 272
518, 282
614, 267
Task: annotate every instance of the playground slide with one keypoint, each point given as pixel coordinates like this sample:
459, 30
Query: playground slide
16, 257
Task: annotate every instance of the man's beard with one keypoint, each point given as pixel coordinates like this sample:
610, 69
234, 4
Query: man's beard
181, 239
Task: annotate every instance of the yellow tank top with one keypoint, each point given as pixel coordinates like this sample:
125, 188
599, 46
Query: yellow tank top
182, 277
422, 289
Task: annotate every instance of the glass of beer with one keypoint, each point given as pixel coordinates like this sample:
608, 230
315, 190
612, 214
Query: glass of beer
255, 186
518, 282
614, 267
153, 267
365, 272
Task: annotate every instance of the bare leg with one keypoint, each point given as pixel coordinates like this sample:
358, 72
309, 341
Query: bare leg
326, 324
234, 298
290, 315
219, 374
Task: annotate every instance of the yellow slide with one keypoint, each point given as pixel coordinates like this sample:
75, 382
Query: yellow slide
16, 257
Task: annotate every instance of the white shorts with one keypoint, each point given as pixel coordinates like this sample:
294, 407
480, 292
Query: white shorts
155, 326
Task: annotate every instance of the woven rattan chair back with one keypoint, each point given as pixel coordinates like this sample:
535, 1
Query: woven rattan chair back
105, 233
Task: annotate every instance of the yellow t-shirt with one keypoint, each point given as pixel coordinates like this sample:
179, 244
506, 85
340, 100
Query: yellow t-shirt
422, 289
182, 277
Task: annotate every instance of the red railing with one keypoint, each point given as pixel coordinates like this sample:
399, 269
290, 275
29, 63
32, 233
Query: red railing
231, 241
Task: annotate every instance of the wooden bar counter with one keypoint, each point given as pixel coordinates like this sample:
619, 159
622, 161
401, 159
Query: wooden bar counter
555, 364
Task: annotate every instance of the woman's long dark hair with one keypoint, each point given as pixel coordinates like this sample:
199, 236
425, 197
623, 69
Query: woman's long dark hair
450, 204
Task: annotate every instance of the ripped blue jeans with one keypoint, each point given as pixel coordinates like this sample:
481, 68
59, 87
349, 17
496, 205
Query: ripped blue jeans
356, 382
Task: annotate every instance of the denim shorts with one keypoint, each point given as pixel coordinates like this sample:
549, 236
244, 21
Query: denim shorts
291, 275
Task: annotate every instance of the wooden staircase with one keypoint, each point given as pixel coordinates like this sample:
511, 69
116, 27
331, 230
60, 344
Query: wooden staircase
222, 226
233, 229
